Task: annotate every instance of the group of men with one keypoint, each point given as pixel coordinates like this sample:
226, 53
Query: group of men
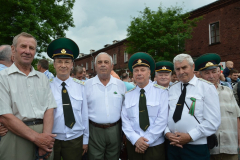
64, 117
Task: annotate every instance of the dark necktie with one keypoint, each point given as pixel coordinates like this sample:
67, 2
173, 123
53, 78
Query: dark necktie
179, 107
143, 112
67, 108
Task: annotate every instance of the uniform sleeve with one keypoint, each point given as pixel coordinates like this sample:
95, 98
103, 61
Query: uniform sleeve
85, 118
5, 99
235, 93
211, 115
157, 129
51, 100
131, 135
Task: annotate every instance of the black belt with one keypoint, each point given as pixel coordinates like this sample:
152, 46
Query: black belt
34, 122
104, 126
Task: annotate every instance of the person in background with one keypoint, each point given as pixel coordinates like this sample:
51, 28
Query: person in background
233, 77
114, 74
73, 72
87, 76
79, 72
71, 114
144, 112
228, 133
105, 95
125, 79
189, 124
84, 73
229, 67
173, 78
223, 83
43, 66
6, 57
197, 74
163, 73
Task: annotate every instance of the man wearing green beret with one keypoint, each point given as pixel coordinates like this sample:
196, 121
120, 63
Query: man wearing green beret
228, 133
163, 73
144, 112
26, 105
71, 114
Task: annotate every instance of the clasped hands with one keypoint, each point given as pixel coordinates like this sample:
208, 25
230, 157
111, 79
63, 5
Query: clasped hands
178, 139
141, 145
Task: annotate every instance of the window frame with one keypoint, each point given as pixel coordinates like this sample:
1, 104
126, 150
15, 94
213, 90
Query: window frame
215, 37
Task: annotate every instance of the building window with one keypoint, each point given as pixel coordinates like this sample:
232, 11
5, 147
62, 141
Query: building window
114, 58
86, 66
214, 33
91, 64
125, 56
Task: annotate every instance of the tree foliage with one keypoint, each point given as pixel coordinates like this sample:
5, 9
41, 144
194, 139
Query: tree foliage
160, 33
44, 19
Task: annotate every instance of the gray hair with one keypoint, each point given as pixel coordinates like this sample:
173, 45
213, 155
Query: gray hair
23, 34
101, 54
5, 53
79, 69
181, 57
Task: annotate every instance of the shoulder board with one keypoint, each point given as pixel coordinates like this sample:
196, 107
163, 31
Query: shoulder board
131, 89
78, 81
51, 80
158, 86
205, 81
173, 84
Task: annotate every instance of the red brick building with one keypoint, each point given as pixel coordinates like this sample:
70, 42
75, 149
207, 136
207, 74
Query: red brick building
116, 50
218, 32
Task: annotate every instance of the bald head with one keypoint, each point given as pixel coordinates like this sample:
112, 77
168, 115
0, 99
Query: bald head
6, 55
229, 64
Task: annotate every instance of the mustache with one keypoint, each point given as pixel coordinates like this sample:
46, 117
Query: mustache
181, 75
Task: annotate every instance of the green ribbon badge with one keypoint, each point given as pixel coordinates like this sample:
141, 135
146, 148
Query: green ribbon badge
192, 108
115, 92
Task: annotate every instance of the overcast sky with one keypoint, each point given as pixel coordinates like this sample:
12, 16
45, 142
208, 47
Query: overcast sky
99, 22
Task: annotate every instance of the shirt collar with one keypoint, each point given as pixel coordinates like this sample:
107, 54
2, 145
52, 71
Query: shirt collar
146, 88
96, 80
59, 81
13, 69
193, 81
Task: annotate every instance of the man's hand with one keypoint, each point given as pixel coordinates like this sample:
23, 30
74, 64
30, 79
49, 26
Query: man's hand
138, 150
3, 130
182, 138
141, 144
85, 149
45, 141
41, 152
172, 138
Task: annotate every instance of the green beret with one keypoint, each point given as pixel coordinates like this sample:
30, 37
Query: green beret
63, 48
207, 61
164, 66
141, 59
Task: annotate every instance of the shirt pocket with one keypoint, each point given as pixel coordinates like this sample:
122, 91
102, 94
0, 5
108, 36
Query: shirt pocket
231, 111
117, 100
76, 102
198, 111
130, 110
172, 102
152, 109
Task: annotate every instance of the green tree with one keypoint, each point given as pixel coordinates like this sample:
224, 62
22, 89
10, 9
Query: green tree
160, 33
44, 19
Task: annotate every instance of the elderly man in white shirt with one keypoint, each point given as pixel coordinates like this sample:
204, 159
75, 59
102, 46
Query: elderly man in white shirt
105, 95
194, 113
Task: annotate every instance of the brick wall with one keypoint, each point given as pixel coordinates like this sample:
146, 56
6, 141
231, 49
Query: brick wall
227, 13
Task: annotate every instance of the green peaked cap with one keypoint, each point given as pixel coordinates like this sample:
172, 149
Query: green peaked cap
207, 61
141, 59
164, 66
63, 48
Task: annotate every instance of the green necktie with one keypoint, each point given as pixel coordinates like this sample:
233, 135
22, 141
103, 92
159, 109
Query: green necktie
143, 112
67, 108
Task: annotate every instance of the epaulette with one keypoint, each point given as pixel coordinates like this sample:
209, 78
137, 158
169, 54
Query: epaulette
78, 81
158, 86
131, 89
205, 81
51, 80
173, 84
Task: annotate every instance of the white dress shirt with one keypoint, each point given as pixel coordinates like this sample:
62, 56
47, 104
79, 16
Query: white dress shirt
207, 110
157, 105
80, 110
104, 102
